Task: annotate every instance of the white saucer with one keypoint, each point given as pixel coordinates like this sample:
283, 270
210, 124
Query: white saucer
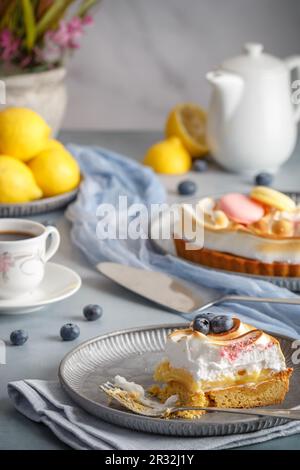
58, 284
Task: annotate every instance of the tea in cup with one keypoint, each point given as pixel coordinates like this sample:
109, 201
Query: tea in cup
24, 254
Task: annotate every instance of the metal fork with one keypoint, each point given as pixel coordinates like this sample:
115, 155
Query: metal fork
153, 408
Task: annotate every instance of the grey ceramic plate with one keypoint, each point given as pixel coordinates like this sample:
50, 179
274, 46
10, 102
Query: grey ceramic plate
167, 246
39, 206
134, 354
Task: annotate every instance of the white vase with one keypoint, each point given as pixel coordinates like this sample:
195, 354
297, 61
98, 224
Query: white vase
44, 92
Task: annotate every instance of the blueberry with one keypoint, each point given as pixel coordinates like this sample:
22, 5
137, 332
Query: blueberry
201, 323
92, 312
221, 324
200, 165
187, 188
69, 332
210, 315
18, 337
264, 179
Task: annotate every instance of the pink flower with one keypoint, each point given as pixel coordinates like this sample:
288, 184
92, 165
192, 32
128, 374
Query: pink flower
9, 45
75, 31
75, 25
61, 35
87, 20
51, 52
66, 36
6, 262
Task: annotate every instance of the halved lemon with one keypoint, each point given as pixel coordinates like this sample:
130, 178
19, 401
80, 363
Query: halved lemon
188, 122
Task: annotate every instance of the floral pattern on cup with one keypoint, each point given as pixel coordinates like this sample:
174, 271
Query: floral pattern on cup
6, 262
22, 261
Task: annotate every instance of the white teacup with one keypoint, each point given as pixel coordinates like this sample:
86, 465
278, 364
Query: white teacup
23, 255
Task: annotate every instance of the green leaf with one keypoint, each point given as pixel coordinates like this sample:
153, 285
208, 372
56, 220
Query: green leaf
52, 15
7, 14
29, 22
85, 6
4, 4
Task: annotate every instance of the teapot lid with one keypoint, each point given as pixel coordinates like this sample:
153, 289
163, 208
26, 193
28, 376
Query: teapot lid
253, 60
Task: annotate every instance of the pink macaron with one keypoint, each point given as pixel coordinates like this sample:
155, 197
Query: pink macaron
241, 208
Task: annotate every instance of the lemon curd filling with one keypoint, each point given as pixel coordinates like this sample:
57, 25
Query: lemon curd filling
165, 373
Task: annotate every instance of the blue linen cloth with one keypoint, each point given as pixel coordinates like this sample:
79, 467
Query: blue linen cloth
108, 175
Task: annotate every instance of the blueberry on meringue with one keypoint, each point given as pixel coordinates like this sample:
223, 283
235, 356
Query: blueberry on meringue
201, 323
221, 324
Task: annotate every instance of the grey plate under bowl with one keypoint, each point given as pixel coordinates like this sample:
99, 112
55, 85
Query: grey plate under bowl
39, 206
134, 354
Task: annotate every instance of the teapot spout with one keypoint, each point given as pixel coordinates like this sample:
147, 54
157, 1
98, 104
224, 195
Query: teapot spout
228, 91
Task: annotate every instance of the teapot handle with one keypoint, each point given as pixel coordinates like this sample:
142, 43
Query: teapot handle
293, 63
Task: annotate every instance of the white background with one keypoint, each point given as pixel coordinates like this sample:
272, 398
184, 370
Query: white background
143, 56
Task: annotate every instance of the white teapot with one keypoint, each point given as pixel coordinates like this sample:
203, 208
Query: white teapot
252, 122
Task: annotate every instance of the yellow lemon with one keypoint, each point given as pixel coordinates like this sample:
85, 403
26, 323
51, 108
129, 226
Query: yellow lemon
17, 183
53, 143
23, 133
168, 156
188, 122
55, 171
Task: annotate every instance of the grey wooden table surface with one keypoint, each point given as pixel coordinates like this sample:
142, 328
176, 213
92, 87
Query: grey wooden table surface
40, 357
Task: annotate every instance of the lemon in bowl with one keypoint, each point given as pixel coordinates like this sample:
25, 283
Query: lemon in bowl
17, 183
23, 133
55, 170
168, 156
53, 143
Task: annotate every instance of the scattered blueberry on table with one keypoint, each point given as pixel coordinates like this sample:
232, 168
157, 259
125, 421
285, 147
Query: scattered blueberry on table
187, 188
200, 165
221, 324
18, 337
69, 332
201, 323
92, 312
264, 179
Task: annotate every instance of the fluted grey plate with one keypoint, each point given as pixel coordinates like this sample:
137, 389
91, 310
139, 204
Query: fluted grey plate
40, 206
134, 354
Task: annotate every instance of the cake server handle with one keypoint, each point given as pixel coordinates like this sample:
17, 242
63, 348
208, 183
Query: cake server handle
280, 413
271, 300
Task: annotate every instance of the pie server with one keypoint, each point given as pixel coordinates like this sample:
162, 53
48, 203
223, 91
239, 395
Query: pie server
175, 294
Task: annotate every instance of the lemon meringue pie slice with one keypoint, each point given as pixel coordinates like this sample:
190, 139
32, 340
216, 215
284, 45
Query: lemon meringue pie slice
239, 367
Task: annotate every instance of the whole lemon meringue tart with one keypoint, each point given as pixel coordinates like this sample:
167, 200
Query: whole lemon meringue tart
223, 362
258, 233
